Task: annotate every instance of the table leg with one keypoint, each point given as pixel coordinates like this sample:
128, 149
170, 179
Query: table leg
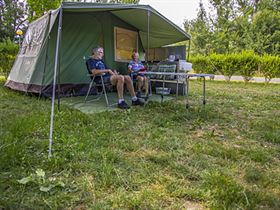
187, 93
177, 87
204, 100
163, 86
150, 86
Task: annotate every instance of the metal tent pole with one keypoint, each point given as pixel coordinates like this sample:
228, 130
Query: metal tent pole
54, 79
148, 46
148, 35
189, 47
58, 76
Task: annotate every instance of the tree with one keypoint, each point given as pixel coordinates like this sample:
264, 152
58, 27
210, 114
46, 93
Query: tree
36, 8
110, 1
266, 26
199, 29
221, 21
237, 25
12, 17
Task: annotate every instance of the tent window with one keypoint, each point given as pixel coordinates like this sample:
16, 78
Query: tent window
125, 42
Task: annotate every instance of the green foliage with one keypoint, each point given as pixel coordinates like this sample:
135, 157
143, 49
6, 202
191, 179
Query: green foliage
266, 29
229, 66
217, 62
39, 178
38, 7
12, 17
225, 192
201, 64
8, 51
234, 26
270, 67
108, 1
129, 1
247, 64
200, 31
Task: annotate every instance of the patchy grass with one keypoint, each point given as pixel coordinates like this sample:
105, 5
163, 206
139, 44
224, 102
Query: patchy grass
221, 156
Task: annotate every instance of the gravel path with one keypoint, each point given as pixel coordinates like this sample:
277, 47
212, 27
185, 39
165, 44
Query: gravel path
240, 78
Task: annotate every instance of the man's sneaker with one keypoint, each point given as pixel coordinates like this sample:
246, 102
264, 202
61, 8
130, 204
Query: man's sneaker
138, 102
138, 94
123, 105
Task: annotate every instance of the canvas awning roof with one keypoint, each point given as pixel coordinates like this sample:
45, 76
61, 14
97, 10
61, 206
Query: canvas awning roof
161, 30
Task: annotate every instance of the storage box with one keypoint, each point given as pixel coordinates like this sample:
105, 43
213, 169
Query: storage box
163, 91
172, 85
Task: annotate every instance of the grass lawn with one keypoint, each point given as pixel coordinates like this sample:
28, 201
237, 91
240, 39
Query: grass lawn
162, 156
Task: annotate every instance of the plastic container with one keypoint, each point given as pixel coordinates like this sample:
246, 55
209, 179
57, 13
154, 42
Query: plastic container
184, 66
163, 91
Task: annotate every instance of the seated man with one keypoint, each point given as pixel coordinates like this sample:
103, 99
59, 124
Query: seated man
136, 68
98, 67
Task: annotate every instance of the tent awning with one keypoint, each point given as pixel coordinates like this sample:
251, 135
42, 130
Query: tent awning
161, 31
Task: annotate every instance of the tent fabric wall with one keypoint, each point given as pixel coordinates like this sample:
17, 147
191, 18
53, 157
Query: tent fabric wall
84, 25
26, 75
90, 30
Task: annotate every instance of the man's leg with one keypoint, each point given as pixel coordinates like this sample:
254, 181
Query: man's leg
146, 82
118, 81
129, 85
139, 83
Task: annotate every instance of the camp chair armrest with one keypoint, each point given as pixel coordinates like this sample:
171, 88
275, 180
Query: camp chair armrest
92, 75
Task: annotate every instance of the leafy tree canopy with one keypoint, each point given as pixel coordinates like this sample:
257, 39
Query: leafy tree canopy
236, 25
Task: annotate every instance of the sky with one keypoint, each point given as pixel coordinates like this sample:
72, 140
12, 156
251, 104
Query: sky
176, 10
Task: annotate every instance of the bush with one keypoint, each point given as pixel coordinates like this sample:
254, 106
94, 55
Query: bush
201, 64
216, 60
270, 67
229, 67
247, 63
225, 64
8, 51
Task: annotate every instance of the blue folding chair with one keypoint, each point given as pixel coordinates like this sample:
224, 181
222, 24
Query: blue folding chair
98, 82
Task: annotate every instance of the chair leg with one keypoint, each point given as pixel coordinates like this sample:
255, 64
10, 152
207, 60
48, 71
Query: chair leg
90, 85
105, 93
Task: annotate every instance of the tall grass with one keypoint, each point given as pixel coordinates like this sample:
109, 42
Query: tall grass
221, 156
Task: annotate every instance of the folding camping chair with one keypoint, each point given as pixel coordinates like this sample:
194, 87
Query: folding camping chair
98, 85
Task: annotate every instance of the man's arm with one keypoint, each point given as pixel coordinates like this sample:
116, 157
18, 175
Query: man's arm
103, 71
130, 70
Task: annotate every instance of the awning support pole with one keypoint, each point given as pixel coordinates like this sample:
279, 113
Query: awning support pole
148, 36
58, 77
54, 79
189, 47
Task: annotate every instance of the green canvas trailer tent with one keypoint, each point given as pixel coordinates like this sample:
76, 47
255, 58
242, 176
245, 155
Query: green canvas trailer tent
55, 44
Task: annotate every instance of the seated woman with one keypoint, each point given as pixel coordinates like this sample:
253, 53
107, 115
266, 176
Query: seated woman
136, 69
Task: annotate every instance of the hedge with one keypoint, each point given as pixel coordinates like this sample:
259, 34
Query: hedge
270, 67
8, 51
246, 64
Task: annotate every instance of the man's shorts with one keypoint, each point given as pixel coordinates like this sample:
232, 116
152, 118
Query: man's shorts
106, 79
134, 75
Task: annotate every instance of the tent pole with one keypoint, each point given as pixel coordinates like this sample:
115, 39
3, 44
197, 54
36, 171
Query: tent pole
148, 35
54, 79
58, 76
189, 47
